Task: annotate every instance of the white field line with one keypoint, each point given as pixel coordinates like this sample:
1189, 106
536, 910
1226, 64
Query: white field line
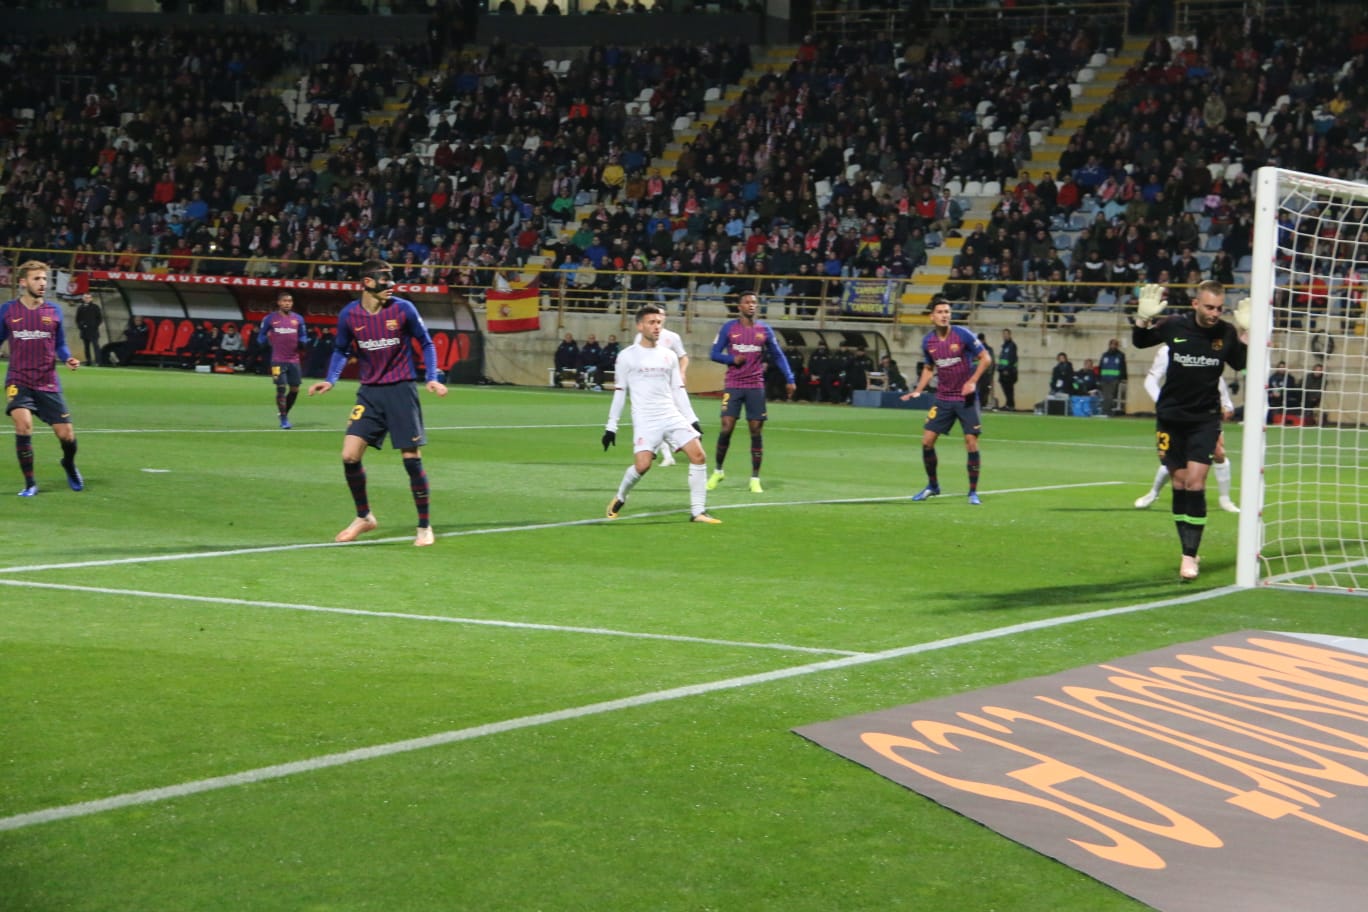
405, 616
497, 530
327, 761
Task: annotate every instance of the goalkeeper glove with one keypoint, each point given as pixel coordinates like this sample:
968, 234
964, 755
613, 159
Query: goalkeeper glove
609, 439
1242, 314
698, 427
1151, 302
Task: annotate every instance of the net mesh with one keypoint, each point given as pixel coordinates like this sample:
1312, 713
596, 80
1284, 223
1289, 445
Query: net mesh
1314, 458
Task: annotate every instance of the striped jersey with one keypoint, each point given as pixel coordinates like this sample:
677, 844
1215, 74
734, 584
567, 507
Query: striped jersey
284, 332
955, 358
752, 343
383, 343
36, 344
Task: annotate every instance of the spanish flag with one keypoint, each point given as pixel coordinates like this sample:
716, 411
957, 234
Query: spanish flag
512, 311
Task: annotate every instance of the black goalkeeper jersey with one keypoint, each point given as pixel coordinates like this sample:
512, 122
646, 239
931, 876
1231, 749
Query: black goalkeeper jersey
1197, 357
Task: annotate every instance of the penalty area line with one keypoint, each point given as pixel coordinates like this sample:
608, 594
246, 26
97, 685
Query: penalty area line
501, 530
393, 748
408, 616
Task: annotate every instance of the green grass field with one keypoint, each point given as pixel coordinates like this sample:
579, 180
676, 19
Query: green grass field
546, 710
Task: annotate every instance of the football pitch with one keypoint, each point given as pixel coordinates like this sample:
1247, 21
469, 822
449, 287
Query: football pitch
207, 705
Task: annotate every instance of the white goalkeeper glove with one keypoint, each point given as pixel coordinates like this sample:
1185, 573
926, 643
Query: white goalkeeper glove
1151, 302
1242, 314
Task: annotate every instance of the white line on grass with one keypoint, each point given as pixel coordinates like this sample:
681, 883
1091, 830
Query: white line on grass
405, 616
327, 761
497, 530
333, 429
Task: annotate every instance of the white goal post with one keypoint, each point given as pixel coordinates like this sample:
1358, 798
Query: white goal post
1304, 467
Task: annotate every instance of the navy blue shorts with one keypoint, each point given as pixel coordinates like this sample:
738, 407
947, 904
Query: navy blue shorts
49, 407
389, 409
942, 416
285, 373
752, 399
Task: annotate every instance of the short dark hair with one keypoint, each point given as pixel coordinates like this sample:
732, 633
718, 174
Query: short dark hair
648, 309
371, 268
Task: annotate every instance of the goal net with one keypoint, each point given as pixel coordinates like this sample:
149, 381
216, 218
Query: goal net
1304, 480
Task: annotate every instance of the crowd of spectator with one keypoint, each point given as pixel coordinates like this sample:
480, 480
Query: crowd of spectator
179, 147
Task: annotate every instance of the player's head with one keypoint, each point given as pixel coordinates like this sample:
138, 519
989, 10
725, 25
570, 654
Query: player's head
377, 278
33, 278
650, 319
284, 302
1207, 303
747, 304
940, 312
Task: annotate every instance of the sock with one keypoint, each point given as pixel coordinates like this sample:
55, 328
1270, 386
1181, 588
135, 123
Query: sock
281, 407
356, 482
1189, 514
290, 398
720, 451
1222, 472
698, 488
68, 453
974, 460
629, 480
929, 461
1161, 478
757, 453
418, 484
23, 448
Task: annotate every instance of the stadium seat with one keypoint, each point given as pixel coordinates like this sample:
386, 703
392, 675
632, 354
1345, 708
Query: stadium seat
988, 121
995, 138
1097, 60
1233, 171
955, 186
1087, 74
153, 331
973, 188
712, 94
992, 188
442, 343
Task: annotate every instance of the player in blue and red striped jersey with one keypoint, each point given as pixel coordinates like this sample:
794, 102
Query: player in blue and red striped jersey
956, 357
284, 331
742, 345
382, 328
33, 326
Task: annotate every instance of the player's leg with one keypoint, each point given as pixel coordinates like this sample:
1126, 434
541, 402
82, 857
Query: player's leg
1220, 467
66, 437
353, 449
755, 405
937, 422
971, 425
22, 417
731, 408
418, 486
1187, 456
648, 440
698, 480
404, 420
281, 389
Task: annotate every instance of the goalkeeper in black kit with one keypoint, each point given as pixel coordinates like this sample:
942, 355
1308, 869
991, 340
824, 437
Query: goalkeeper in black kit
1188, 412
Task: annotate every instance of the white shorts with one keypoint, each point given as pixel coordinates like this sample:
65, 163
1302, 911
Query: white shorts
649, 437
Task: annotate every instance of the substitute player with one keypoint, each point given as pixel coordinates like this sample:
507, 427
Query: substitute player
284, 330
1188, 413
742, 345
648, 373
383, 328
33, 326
1220, 465
956, 357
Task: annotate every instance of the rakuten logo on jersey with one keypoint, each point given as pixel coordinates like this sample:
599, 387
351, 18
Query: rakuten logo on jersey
946, 362
746, 347
30, 335
1197, 360
376, 344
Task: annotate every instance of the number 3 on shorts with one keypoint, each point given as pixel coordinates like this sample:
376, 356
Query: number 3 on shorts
1161, 438
357, 412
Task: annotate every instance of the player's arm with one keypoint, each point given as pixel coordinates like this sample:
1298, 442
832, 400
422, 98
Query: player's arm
985, 363
264, 330
342, 342
777, 357
418, 330
923, 381
1154, 377
63, 352
621, 382
720, 351
4, 322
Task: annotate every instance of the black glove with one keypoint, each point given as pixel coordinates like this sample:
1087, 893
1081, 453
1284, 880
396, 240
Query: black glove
698, 427
609, 439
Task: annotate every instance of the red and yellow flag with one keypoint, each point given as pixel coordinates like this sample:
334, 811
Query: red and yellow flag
512, 311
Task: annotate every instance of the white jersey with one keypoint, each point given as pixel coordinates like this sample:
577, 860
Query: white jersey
671, 340
1154, 380
650, 376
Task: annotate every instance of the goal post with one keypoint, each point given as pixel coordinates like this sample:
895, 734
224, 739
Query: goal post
1304, 464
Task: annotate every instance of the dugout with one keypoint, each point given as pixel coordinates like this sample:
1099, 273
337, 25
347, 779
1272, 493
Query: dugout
173, 305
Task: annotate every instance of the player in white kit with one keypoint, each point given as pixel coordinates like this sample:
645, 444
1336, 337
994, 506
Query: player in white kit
648, 373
